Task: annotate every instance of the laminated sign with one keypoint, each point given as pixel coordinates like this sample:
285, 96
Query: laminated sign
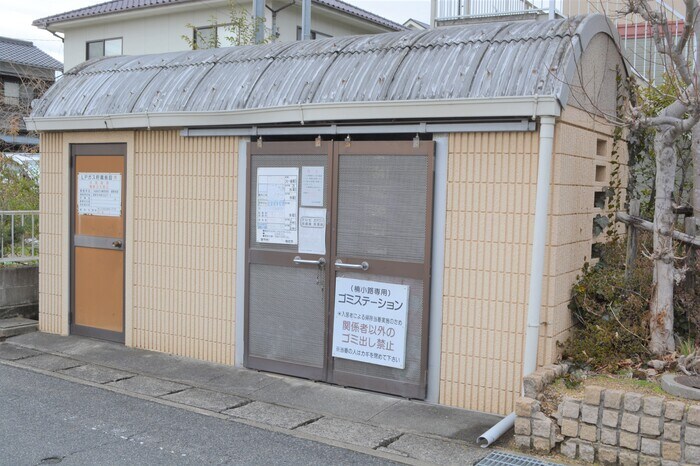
100, 194
370, 322
277, 205
312, 230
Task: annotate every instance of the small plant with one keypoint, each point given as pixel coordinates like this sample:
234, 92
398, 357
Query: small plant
686, 346
238, 29
573, 379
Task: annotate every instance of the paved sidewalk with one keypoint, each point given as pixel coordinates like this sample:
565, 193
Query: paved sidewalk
397, 428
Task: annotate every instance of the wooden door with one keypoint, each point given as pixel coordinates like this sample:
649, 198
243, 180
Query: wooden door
98, 224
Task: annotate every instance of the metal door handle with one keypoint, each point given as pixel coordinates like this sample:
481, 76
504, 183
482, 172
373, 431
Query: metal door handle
117, 244
320, 261
363, 266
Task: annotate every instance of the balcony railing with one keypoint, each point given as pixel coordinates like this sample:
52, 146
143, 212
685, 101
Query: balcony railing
463, 9
456, 9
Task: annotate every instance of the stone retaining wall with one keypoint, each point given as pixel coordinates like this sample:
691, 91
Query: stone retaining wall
19, 292
535, 383
613, 427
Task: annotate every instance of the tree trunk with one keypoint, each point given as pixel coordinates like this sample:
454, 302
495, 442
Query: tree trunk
661, 323
695, 150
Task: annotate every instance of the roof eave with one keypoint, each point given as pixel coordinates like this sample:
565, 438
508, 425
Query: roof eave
47, 22
498, 107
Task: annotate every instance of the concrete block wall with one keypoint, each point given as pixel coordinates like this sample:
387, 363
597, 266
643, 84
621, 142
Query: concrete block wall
19, 291
52, 237
582, 144
185, 205
180, 292
491, 186
613, 427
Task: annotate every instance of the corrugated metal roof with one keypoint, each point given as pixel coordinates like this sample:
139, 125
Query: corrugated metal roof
477, 61
118, 6
22, 52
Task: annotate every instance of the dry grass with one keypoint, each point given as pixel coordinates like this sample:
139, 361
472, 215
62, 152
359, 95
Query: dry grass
558, 390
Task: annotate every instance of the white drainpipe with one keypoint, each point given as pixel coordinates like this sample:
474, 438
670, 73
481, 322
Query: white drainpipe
539, 243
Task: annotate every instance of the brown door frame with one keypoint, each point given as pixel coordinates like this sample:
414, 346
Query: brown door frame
284, 259
96, 149
383, 267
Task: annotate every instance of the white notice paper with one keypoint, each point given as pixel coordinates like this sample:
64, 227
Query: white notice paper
100, 194
312, 186
277, 204
312, 230
370, 322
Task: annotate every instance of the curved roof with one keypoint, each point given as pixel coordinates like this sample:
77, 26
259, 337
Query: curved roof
479, 61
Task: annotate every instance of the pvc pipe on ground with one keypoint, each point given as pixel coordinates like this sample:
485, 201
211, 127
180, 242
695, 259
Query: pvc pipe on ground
495, 432
539, 243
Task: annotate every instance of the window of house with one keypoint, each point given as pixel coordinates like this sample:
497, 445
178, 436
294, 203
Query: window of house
314, 34
11, 92
213, 36
205, 37
103, 48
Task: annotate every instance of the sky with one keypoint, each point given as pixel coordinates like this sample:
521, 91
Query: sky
17, 17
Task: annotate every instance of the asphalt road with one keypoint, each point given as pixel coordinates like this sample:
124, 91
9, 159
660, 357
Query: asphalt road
46, 420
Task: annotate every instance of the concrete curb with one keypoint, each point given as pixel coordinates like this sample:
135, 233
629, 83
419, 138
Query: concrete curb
405, 431
669, 384
384, 454
17, 326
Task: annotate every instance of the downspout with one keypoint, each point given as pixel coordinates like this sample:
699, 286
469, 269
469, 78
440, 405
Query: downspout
539, 243
273, 29
259, 19
305, 19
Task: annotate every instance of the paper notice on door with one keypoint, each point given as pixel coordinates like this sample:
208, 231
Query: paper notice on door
370, 322
277, 205
312, 186
100, 194
312, 230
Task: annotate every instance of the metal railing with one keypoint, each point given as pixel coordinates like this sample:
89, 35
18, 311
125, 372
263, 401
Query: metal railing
455, 9
635, 35
19, 236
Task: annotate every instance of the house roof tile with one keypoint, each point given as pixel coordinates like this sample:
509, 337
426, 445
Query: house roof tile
119, 6
21, 52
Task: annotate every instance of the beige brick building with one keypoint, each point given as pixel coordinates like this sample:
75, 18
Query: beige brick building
459, 166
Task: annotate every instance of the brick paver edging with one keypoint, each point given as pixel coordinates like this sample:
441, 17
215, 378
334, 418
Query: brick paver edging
613, 427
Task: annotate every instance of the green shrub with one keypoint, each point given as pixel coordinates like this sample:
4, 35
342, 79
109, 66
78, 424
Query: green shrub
612, 314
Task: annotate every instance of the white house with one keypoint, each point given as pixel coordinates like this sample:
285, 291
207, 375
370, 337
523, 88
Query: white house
136, 27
